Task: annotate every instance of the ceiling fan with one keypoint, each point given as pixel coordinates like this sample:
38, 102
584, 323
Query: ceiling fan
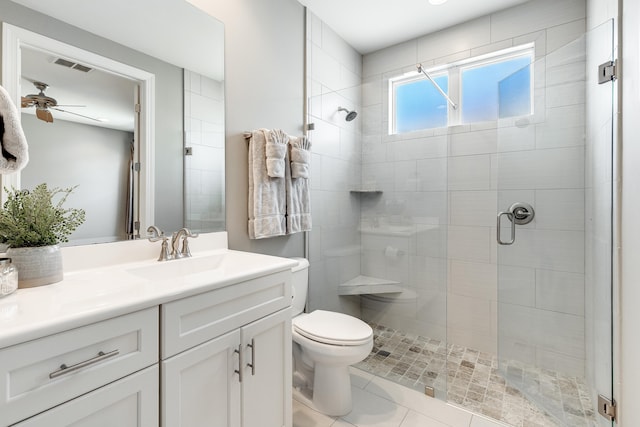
44, 104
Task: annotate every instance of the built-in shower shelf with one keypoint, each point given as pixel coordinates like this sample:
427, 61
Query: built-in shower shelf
369, 285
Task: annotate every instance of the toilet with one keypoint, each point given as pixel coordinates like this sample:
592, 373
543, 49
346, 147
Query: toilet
325, 344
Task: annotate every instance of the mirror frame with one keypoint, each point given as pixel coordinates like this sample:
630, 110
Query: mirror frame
14, 38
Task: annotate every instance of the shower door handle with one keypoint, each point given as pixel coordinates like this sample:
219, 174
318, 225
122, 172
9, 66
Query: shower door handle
513, 228
519, 213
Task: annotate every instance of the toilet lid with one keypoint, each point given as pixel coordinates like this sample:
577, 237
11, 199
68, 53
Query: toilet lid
332, 328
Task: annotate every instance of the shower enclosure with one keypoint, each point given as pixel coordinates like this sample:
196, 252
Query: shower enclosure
406, 237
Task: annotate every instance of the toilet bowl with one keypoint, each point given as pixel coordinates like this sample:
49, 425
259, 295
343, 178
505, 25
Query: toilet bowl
325, 344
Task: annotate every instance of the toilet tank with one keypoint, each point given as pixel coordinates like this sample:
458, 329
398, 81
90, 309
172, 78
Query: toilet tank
300, 285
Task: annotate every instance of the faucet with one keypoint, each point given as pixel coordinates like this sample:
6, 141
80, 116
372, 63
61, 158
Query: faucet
155, 235
184, 233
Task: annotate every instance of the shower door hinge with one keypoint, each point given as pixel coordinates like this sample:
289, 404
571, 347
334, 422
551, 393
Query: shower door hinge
607, 408
136, 166
136, 225
607, 72
137, 108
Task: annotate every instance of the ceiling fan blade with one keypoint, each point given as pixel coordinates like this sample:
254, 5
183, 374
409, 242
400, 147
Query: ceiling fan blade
76, 114
69, 105
26, 102
44, 115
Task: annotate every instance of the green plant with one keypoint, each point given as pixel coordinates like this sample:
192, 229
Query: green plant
30, 218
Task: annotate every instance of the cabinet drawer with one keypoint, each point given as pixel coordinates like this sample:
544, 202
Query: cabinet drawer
129, 402
194, 320
34, 378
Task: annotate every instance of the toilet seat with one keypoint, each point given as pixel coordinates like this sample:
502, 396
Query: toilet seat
332, 328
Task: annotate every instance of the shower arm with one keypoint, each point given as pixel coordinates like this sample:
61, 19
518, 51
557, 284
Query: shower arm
422, 70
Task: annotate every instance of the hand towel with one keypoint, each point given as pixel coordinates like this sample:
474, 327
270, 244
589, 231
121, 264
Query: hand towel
300, 157
267, 195
15, 151
276, 150
298, 193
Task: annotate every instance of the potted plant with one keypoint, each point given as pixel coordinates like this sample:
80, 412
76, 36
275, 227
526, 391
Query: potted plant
32, 224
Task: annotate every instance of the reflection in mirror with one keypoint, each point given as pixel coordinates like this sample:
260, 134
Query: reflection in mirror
185, 114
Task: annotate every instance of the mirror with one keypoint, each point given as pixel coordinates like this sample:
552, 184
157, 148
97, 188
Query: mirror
174, 69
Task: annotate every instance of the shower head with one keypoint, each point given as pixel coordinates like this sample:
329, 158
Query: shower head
351, 114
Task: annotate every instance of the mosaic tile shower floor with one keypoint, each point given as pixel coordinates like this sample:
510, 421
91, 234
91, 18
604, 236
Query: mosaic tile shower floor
474, 383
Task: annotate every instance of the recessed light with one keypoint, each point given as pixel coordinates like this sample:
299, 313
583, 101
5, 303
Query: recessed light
437, 2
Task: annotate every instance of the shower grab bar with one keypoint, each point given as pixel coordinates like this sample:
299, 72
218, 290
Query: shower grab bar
519, 213
442, 92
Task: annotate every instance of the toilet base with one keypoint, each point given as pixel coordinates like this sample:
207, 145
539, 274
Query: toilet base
329, 392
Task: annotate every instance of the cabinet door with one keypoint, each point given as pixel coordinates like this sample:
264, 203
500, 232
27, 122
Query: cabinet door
129, 402
266, 385
200, 387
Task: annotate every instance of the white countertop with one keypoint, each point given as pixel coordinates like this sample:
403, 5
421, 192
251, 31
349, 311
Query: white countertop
101, 292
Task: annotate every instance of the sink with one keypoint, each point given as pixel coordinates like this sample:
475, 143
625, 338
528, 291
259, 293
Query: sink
177, 268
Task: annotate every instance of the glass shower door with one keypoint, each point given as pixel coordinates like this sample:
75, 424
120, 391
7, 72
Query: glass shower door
554, 231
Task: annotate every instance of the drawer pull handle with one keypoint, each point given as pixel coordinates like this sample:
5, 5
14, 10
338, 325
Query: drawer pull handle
252, 365
64, 369
239, 370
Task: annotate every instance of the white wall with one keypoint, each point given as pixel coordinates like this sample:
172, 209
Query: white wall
65, 154
334, 72
405, 166
264, 78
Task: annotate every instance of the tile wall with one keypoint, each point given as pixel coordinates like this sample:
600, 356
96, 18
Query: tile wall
334, 76
487, 167
204, 170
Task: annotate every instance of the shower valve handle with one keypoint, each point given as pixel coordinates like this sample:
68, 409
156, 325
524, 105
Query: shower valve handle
518, 213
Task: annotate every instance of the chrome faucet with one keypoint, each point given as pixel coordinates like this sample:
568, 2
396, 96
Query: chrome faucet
184, 233
155, 235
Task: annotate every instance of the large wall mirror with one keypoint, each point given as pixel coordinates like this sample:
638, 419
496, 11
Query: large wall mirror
138, 119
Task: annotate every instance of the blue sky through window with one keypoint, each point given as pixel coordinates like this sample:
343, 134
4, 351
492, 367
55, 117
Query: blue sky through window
480, 95
419, 105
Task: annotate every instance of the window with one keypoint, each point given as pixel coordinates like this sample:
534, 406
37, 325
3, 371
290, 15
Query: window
484, 88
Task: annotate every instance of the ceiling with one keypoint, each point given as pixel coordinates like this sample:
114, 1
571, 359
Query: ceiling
102, 95
370, 25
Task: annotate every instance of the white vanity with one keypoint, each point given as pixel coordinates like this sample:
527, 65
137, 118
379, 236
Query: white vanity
125, 340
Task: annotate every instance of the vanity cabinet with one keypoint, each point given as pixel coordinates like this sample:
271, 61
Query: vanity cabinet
239, 373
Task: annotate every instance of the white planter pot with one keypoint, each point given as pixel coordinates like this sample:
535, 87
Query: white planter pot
37, 266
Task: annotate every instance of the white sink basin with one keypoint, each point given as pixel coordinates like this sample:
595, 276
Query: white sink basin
176, 268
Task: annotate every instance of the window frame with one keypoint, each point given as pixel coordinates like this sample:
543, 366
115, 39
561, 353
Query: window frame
455, 89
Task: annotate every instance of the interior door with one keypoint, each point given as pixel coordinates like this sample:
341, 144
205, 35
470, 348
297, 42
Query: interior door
554, 233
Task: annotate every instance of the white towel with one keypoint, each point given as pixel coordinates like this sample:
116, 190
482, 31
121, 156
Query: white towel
300, 157
267, 196
15, 151
276, 151
298, 192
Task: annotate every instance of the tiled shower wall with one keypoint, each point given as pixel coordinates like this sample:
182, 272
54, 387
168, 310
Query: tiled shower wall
453, 177
334, 71
204, 170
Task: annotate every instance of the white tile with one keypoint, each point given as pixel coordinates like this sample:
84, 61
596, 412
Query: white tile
534, 16
469, 243
493, 47
333, 44
303, 416
324, 68
391, 58
468, 143
405, 175
573, 366
415, 419
517, 285
326, 139
473, 208
459, 38
469, 314
560, 291
419, 148
359, 378
516, 138
418, 402
567, 72
341, 423
481, 341
565, 94
473, 279
432, 174
370, 410
562, 34
541, 169
470, 173
551, 207
545, 249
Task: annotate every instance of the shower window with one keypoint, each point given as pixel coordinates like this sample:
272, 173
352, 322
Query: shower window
478, 86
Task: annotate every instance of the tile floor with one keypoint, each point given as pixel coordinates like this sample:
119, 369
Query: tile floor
382, 403
472, 380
